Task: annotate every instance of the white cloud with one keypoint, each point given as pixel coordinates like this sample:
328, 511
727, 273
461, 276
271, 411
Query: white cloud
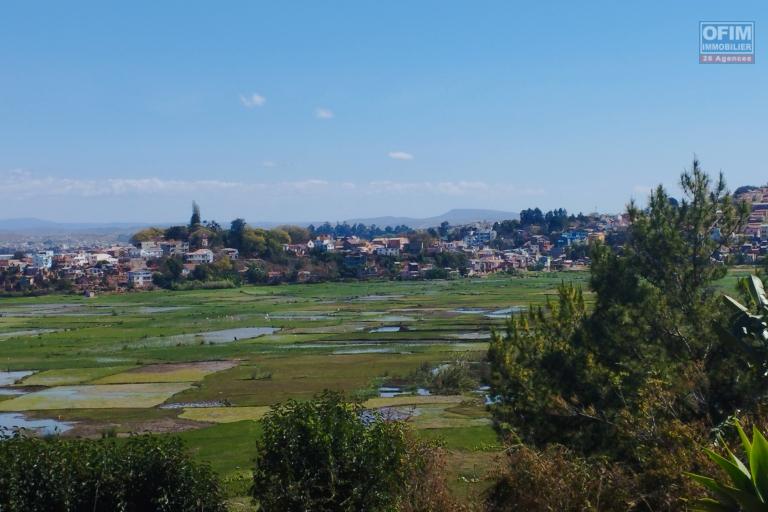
22, 184
323, 113
400, 155
253, 100
268, 163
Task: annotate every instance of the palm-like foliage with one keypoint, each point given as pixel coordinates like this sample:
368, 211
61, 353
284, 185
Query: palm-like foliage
747, 489
749, 324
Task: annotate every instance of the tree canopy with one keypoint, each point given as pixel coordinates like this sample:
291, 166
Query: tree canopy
321, 455
140, 473
645, 371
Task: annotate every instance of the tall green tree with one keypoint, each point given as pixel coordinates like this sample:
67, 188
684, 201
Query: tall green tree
533, 364
645, 375
589, 380
195, 220
177, 233
236, 233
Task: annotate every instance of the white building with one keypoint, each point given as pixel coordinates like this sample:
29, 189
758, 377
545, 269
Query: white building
321, 245
101, 257
150, 249
43, 259
80, 260
140, 278
387, 251
200, 256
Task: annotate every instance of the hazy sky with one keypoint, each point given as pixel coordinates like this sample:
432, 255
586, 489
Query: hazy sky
314, 110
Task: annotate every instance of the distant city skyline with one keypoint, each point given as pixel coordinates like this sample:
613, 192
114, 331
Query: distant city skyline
349, 109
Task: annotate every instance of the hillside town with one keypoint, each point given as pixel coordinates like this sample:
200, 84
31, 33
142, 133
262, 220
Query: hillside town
203, 254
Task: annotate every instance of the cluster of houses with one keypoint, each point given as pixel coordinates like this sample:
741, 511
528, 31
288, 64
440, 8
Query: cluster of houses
536, 252
113, 267
132, 267
755, 242
122, 266
484, 251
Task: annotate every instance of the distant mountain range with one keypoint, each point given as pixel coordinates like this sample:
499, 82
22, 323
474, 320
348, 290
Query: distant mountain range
33, 225
453, 217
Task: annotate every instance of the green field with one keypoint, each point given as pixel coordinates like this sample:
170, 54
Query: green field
207, 364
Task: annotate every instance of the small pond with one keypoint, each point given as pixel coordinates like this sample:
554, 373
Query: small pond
395, 318
387, 328
63, 309
298, 315
470, 311
10, 421
505, 313
215, 337
242, 333
194, 405
10, 378
160, 309
12, 391
391, 392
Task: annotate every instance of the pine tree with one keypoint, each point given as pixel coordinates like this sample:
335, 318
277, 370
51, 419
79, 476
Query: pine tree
194, 221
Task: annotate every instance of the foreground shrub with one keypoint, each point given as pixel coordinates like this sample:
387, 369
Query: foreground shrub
328, 454
142, 473
556, 479
657, 444
426, 490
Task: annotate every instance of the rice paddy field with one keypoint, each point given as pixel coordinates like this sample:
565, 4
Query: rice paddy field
207, 364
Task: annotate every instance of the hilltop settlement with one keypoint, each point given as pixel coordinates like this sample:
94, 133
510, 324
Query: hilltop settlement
203, 254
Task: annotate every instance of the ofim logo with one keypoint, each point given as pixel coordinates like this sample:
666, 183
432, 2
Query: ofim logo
727, 42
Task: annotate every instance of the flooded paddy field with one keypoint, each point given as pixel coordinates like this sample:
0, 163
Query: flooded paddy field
208, 364
11, 422
95, 397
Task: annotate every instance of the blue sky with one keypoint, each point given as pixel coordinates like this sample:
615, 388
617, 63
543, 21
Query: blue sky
313, 110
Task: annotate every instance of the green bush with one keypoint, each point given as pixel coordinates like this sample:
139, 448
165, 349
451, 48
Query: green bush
331, 455
142, 473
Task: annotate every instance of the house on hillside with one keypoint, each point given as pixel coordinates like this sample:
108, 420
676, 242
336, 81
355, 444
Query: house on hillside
321, 245
139, 278
43, 259
199, 256
174, 247
231, 253
480, 238
296, 249
150, 249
